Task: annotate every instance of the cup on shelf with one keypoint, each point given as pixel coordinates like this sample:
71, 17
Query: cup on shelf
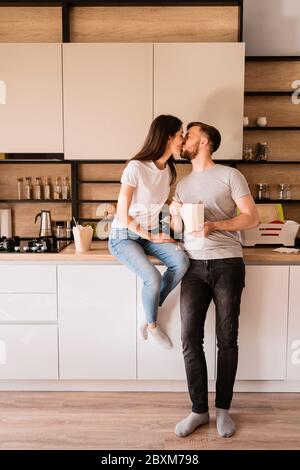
246, 121
262, 121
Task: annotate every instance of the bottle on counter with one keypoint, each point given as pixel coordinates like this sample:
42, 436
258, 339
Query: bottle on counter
57, 189
47, 188
65, 188
28, 188
37, 189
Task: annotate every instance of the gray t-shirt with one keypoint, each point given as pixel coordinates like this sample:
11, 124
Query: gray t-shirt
217, 187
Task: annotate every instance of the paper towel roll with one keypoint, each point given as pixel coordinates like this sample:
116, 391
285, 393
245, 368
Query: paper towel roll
5, 223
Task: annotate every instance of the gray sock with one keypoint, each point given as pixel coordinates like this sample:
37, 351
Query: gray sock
225, 425
190, 423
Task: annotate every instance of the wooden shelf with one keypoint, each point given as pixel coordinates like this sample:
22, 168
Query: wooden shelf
276, 201
89, 201
36, 201
99, 182
257, 128
269, 93
268, 162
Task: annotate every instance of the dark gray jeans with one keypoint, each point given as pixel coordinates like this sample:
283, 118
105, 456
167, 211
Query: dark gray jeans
220, 280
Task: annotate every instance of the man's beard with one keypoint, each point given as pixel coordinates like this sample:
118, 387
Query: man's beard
189, 154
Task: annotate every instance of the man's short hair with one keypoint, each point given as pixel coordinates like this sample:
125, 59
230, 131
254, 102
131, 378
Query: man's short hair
212, 134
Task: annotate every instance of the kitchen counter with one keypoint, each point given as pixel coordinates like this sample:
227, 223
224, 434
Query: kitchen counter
100, 253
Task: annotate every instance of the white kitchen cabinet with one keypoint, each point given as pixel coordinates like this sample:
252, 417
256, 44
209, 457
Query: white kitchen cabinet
24, 278
203, 82
28, 352
31, 98
263, 324
293, 347
27, 307
168, 364
107, 99
97, 322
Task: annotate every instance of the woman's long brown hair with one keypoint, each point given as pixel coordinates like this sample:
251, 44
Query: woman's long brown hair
155, 144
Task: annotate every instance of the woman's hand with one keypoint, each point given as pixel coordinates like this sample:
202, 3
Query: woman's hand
161, 238
175, 207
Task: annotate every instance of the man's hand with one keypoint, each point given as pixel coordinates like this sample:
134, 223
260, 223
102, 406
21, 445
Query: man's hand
208, 228
175, 207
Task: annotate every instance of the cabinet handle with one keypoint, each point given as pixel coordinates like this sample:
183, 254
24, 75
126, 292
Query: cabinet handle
2, 92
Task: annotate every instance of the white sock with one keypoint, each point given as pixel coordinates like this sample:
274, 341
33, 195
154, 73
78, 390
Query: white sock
159, 337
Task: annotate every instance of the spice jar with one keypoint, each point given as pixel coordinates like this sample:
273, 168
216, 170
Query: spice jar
262, 151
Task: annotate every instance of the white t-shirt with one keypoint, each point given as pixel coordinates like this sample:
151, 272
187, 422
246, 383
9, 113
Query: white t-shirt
152, 188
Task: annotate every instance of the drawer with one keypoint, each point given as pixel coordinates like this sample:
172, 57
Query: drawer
27, 307
27, 278
28, 352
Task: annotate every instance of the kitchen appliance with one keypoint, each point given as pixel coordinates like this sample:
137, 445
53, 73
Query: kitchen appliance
32, 245
5, 223
283, 233
45, 223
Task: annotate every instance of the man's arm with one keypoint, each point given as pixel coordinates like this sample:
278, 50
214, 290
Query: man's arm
248, 218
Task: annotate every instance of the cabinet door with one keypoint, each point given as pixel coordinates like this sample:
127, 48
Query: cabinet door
293, 352
263, 324
156, 363
107, 99
28, 307
203, 82
97, 322
31, 97
23, 278
28, 352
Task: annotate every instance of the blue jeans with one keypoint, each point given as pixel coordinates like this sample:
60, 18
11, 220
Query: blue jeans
132, 250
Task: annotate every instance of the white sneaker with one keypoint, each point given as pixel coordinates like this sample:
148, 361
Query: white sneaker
159, 337
143, 330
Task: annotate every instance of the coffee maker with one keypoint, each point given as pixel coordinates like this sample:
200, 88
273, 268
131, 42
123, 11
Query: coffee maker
45, 223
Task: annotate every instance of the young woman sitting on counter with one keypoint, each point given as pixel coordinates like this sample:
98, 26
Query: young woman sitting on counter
135, 232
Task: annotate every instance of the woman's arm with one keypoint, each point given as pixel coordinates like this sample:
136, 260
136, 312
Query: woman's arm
124, 202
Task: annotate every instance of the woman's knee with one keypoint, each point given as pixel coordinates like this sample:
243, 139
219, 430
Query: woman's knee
181, 263
153, 278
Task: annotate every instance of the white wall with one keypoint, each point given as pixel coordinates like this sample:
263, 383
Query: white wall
272, 27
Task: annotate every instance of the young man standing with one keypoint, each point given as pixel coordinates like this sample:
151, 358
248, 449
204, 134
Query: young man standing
217, 272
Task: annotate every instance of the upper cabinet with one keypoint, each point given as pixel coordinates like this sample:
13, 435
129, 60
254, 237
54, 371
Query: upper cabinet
203, 82
107, 99
31, 98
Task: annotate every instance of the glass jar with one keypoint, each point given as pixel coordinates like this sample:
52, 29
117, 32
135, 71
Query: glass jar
262, 151
60, 229
248, 152
282, 192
